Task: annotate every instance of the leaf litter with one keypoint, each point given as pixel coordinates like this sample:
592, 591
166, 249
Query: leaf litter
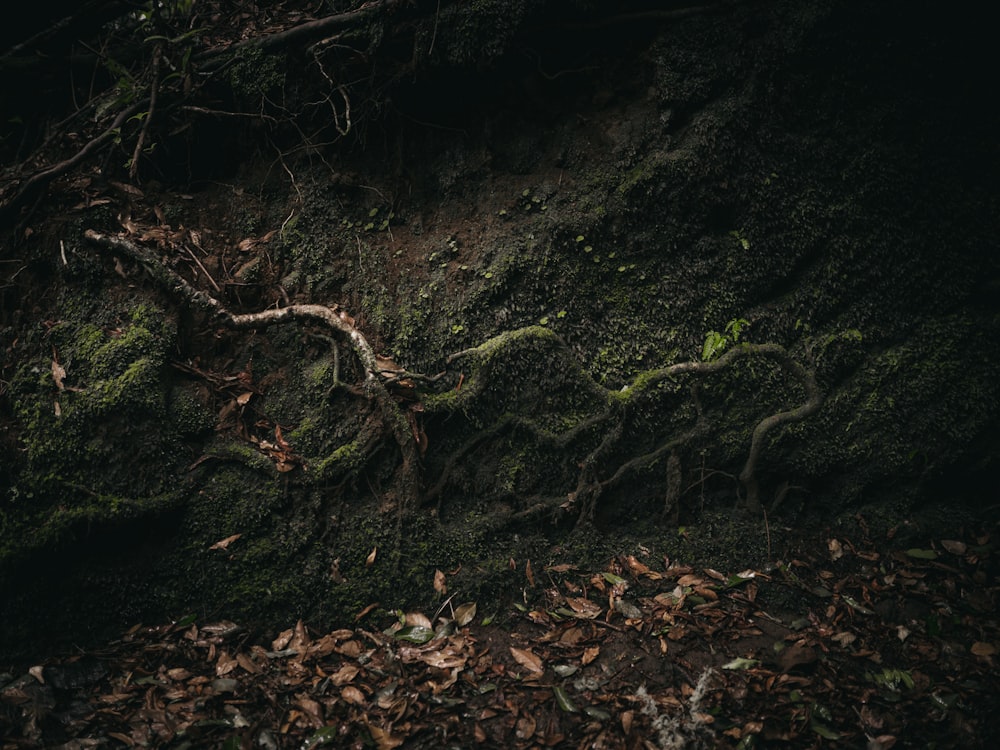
849, 647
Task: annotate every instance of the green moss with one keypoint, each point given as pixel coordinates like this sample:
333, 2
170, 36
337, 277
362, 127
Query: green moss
347, 458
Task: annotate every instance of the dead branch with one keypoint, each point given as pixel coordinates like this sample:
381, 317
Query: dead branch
42, 178
133, 170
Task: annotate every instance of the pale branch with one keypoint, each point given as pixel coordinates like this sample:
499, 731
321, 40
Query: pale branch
330, 317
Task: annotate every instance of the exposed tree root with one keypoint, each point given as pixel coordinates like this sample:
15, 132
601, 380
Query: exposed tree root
604, 429
612, 415
333, 318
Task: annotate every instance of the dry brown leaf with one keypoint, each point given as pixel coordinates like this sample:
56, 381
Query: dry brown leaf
311, 709
529, 574
528, 660
279, 643
635, 566
443, 659
301, 640
352, 695
525, 727
835, 548
248, 664
58, 375
439, 583
383, 738
419, 618
465, 613
981, 648
583, 608
589, 654
954, 547
225, 664
344, 675
224, 543
370, 560
562, 568
626, 719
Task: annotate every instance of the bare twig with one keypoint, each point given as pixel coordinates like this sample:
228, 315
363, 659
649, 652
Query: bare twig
133, 170
43, 177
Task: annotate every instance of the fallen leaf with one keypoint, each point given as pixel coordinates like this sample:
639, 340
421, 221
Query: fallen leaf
561, 568
225, 664
741, 663
439, 583
836, 550
981, 648
583, 608
248, 664
344, 675
525, 727
370, 560
626, 719
418, 618
954, 547
58, 375
414, 634
352, 695
528, 660
384, 739
224, 543
563, 700
465, 613
282, 640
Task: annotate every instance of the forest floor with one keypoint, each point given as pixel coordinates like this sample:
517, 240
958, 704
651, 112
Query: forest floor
850, 643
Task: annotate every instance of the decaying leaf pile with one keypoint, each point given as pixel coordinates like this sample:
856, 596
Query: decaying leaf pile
841, 646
